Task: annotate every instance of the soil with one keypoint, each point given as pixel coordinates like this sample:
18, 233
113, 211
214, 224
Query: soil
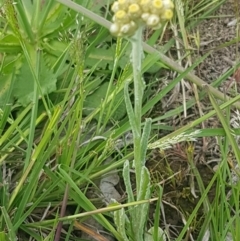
215, 32
181, 192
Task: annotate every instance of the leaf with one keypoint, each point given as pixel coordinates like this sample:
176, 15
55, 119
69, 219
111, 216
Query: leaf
144, 139
144, 192
11, 63
55, 47
157, 215
149, 235
24, 85
127, 181
4, 88
119, 219
95, 101
141, 211
55, 19
225, 124
139, 214
151, 63
103, 57
11, 232
131, 115
3, 236
10, 44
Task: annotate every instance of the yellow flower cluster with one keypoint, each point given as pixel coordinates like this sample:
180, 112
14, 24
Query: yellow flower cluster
129, 14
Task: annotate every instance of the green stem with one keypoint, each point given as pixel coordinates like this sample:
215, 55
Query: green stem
136, 56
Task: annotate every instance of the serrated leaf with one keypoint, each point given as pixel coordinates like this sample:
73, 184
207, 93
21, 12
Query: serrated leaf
12, 62
55, 47
95, 101
103, 57
10, 44
24, 86
56, 19
4, 88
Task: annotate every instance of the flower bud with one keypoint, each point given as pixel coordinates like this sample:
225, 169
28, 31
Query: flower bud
114, 29
134, 11
128, 29
130, 14
157, 7
167, 14
153, 20
133, 1
145, 5
123, 4
115, 7
168, 4
121, 17
145, 16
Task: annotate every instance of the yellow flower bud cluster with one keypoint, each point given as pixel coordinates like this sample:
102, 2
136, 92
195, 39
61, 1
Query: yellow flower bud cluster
129, 14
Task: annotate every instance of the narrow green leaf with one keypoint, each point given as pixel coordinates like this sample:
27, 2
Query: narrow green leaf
225, 125
127, 181
144, 140
11, 234
171, 85
24, 21
85, 203
6, 108
119, 220
141, 211
157, 215
144, 185
14, 125
36, 203
3, 236
130, 111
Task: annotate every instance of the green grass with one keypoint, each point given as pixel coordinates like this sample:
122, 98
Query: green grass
63, 114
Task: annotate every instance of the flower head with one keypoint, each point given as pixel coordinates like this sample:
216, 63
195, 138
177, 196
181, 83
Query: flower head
130, 14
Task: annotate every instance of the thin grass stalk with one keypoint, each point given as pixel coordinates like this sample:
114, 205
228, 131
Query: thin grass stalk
33, 114
68, 219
